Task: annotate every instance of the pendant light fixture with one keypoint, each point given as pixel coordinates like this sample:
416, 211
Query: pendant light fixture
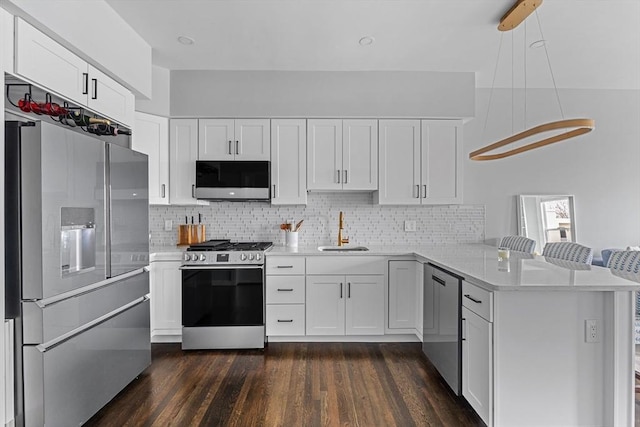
569, 128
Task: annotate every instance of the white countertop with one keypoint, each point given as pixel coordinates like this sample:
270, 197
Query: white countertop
479, 264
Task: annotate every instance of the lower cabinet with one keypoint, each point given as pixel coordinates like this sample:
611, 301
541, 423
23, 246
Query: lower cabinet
285, 296
166, 301
403, 294
477, 351
345, 305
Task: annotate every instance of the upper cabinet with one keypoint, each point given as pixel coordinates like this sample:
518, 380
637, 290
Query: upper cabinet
342, 154
151, 136
6, 41
183, 153
50, 65
228, 139
288, 162
420, 162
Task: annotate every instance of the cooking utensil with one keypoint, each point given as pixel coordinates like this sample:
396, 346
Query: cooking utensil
298, 225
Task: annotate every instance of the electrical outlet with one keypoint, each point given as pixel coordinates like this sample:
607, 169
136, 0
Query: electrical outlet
168, 225
409, 226
591, 333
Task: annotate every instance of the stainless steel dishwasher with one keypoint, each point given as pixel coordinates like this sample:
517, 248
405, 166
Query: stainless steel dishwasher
442, 325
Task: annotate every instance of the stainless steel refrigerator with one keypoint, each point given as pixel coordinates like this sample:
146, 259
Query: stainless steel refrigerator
77, 245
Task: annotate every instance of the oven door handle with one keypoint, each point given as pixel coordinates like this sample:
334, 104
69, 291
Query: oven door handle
222, 267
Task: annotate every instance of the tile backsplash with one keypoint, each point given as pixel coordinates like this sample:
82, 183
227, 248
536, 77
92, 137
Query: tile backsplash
365, 223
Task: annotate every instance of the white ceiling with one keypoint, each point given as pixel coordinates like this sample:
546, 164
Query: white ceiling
591, 43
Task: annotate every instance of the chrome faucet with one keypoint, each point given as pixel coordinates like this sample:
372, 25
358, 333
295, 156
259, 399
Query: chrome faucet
341, 240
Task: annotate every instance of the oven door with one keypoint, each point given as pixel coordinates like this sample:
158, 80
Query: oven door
222, 307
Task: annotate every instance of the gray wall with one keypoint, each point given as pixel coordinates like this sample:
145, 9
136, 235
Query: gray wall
387, 94
601, 168
158, 104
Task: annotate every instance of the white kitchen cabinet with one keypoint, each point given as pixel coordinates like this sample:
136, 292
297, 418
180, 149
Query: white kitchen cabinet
183, 153
345, 305
151, 137
342, 154
285, 296
403, 294
477, 366
239, 139
166, 300
420, 162
6, 40
45, 62
288, 162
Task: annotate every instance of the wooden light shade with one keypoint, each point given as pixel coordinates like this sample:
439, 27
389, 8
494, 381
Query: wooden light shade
517, 14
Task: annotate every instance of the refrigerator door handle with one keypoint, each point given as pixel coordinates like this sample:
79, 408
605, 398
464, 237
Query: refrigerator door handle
44, 347
85, 290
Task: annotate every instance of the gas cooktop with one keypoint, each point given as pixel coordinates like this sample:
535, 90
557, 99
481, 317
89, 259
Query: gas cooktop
228, 246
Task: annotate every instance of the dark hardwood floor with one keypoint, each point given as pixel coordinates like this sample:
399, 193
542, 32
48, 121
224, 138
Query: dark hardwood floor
289, 384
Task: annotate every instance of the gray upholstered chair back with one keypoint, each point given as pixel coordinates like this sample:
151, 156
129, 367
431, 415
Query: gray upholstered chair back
625, 261
518, 243
568, 251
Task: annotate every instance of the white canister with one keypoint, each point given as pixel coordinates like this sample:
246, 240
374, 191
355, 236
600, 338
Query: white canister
291, 239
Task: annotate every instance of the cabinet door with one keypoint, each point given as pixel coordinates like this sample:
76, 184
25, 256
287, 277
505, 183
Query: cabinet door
151, 137
6, 41
288, 162
166, 296
183, 153
477, 364
216, 139
45, 62
403, 294
324, 154
325, 302
441, 163
360, 154
253, 139
364, 305
399, 162
110, 98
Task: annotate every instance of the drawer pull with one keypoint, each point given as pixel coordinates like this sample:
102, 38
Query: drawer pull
477, 301
285, 290
284, 266
439, 280
464, 329
285, 321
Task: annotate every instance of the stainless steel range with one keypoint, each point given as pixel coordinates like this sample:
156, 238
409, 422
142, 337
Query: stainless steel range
223, 295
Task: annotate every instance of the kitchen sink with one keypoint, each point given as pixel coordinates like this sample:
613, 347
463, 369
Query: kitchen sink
342, 248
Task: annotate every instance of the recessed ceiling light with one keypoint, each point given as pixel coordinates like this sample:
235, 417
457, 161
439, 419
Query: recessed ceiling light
366, 41
186, 40
537, 44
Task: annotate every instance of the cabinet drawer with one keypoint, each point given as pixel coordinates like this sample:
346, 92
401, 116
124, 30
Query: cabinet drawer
285, 290
477, 300
285, 265
285, 319
346, 264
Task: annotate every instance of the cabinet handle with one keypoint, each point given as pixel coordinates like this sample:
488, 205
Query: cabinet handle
338, 175
274, 190
464, 329
85, 83
285, 320
477, 301
163, 190
340, 289
95, 88
345, 176
439, 280
230, 152
284, 266
417, 191
424, 188
348, 289
193, 191
285, 290
237, 147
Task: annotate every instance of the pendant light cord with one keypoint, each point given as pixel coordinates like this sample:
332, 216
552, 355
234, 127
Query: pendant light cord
493, 85
546, 52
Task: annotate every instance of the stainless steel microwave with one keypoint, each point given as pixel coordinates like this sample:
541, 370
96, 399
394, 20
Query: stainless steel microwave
233, 180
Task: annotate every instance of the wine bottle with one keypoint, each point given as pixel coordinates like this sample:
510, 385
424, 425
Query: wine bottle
82, 120
107, 130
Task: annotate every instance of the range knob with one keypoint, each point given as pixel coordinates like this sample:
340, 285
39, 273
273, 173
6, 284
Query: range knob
250, 257
258, 257
243, 257
187, 257
203, 257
